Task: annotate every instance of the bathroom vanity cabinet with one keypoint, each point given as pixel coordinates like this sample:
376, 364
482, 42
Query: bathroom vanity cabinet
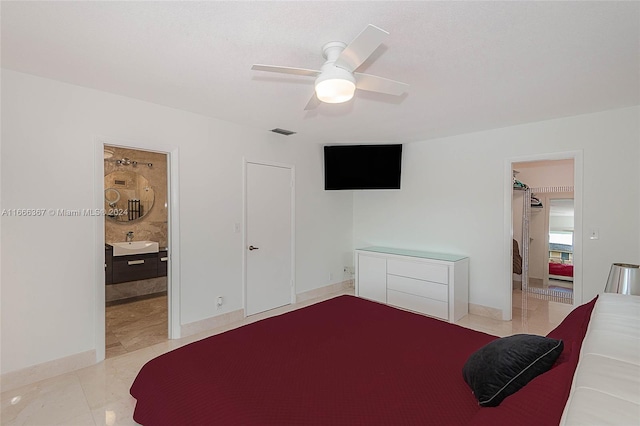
120, 269
163, 260
134, 267
108, 264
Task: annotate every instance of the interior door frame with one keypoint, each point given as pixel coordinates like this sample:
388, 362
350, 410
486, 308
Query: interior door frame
577, 157
173, 223
245, 163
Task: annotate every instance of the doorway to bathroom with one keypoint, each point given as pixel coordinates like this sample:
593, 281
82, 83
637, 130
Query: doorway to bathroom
136, 234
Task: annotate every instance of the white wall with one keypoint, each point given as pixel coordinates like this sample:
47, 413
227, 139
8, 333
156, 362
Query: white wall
451, 201
47, 277
452, 197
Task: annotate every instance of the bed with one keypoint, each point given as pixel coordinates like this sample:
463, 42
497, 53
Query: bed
344, 361
606, 384
560, 271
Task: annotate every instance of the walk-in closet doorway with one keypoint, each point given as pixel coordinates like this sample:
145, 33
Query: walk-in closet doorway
544, 218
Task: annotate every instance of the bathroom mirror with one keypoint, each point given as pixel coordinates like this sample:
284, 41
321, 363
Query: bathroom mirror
128, 196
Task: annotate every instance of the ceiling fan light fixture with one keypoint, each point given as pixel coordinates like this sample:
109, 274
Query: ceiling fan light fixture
335, 91
335, 81
335, 86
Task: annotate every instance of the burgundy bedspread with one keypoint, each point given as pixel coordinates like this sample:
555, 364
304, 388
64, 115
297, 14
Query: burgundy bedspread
561, 269
542, 400
344, 361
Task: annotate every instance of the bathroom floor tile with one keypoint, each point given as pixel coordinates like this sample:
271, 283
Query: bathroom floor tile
135, 325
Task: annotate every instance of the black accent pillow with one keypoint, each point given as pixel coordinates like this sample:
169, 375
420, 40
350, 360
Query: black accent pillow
503, 366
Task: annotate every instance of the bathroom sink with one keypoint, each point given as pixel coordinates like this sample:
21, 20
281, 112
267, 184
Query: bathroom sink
135, 247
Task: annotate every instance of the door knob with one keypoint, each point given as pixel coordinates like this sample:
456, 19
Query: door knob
253, 248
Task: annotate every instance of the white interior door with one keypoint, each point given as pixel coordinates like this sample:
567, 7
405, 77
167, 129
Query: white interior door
269, 241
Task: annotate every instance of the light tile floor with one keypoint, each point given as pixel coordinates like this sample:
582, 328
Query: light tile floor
531, 314
136, 325
99, 395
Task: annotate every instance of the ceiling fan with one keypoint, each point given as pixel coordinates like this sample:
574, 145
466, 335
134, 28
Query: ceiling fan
336, 81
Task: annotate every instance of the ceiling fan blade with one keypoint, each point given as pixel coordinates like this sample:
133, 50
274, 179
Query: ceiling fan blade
286, 70
361, 48
373, 83
313, 103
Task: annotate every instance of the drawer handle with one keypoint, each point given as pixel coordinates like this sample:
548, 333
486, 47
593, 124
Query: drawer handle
135, 262
164, 259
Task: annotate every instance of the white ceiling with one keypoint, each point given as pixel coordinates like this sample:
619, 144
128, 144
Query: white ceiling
471, 65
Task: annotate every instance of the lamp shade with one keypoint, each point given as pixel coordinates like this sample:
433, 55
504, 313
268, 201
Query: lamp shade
624, 278
335, 91
335, 85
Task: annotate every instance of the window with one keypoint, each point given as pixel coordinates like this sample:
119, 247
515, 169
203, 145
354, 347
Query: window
564, 238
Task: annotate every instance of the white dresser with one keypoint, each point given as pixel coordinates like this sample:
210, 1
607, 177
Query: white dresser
433, 284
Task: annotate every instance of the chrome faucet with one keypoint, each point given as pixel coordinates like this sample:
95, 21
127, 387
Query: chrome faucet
129, 236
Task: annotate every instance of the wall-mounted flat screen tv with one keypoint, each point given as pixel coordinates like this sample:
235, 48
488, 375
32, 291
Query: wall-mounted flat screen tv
362, 166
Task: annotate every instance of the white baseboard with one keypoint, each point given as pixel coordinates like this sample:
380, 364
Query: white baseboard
323, 291
211, 323
238, 315
47, 370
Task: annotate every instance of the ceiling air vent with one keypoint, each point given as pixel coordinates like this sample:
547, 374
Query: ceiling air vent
283, 131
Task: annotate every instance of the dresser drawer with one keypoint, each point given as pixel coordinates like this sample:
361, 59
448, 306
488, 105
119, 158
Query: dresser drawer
434, 308
418, 287
422, 271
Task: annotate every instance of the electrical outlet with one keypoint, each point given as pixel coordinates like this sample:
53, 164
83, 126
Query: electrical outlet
219, 301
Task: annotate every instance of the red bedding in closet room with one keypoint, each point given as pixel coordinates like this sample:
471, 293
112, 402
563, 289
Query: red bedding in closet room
561, 269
